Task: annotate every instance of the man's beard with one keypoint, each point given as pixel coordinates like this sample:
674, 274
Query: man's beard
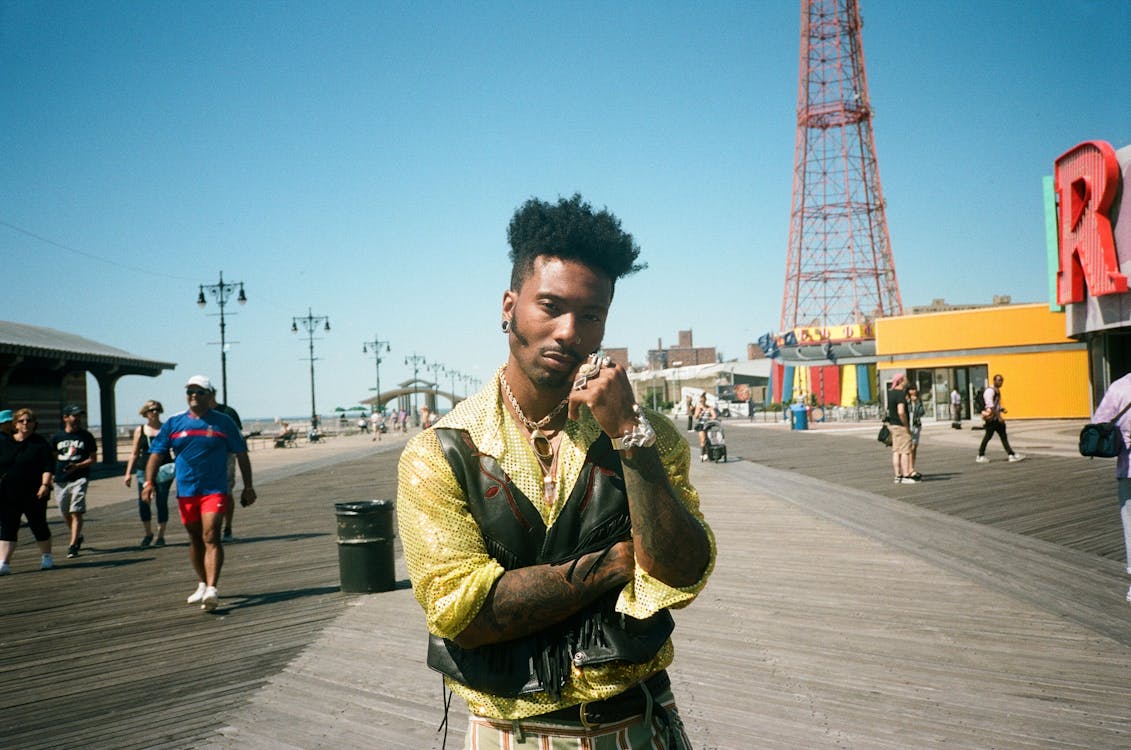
545, 378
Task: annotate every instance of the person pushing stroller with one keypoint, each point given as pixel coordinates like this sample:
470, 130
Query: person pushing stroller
704, 413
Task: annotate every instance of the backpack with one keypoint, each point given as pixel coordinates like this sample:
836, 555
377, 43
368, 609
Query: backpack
979, 400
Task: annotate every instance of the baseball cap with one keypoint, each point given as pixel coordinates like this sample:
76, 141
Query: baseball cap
201, 381
72, 410
5, 416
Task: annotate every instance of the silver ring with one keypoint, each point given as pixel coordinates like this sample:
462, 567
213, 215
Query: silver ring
588, 370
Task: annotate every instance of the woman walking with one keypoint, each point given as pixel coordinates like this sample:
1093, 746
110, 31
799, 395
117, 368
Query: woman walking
25, 490
915, 411
135, 469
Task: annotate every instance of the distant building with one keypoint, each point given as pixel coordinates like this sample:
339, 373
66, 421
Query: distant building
729, 381
619, 355
1045, 371
753, 351
683, 354
941, 305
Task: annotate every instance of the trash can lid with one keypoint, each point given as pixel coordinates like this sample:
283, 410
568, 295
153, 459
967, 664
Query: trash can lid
364, 506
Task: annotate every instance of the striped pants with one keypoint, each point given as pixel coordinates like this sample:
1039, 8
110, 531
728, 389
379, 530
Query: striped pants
663, 730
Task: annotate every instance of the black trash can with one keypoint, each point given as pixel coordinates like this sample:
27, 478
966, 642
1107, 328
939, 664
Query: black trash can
365, 546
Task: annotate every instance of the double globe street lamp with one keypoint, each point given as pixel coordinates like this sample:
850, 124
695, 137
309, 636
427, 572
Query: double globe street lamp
436, 369
374, 347
221, 292
417, 361
310, 323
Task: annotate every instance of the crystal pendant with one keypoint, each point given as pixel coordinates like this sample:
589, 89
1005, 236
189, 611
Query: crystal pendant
549, 490
542, 447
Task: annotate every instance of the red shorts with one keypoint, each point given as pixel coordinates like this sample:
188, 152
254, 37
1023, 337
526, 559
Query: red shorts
192, 508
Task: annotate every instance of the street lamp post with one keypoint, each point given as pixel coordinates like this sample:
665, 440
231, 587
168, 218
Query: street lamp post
310, 323
436, 369
417, 361
374, 346
221, 292
455, 375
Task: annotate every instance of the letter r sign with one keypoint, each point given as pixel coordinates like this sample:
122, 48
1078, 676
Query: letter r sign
1087, 177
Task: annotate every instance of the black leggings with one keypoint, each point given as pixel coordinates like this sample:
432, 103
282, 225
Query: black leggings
36, 512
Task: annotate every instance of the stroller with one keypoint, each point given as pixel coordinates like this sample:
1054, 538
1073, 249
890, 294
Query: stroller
716, 441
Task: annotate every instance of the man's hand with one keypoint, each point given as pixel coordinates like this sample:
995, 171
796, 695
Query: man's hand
608, 394
247, 497
148, 492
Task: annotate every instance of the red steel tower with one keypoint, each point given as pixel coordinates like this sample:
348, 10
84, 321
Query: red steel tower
840, 269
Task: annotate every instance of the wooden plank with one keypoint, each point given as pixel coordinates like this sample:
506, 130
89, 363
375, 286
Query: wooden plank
844, 611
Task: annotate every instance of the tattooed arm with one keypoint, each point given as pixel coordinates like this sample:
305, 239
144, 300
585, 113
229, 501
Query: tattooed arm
526, 600
670, 543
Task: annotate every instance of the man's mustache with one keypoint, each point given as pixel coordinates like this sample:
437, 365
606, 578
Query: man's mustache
562, 351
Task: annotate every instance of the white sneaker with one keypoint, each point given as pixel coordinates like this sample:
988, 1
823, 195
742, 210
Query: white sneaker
981, 460
1015, 457
47, 562
210, 599
702, 458
197, 595
5, 569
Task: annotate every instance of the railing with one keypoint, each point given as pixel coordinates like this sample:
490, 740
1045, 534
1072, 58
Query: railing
865, 413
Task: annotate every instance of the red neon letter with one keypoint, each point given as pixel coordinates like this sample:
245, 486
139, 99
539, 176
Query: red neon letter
1086, 181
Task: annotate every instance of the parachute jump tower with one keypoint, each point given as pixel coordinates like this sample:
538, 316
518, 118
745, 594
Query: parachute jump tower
839, 270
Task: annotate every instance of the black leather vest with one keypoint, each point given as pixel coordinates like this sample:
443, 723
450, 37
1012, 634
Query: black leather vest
594, 518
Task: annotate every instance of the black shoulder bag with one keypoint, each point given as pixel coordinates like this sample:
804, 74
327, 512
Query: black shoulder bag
1103, 440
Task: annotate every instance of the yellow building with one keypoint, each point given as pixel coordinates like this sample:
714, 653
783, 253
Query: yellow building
1046, 373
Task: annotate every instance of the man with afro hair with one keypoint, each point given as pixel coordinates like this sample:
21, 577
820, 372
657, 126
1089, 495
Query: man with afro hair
548, 521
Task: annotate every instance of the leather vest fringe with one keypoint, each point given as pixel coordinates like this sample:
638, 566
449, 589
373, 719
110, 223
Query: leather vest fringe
594, 518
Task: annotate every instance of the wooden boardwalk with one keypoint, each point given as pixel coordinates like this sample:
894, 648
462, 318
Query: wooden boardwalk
981, 609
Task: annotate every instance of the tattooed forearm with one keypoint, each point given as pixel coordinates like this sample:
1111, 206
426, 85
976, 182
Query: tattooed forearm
527, 600
670, 543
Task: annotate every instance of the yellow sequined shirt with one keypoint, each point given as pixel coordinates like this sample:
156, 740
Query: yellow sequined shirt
451, 572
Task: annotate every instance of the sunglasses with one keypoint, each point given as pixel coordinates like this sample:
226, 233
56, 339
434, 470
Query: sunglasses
196, 392
154, 410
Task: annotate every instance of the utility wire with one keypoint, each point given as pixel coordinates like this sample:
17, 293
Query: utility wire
91, 256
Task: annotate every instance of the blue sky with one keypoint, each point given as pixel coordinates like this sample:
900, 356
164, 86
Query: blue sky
362, 160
